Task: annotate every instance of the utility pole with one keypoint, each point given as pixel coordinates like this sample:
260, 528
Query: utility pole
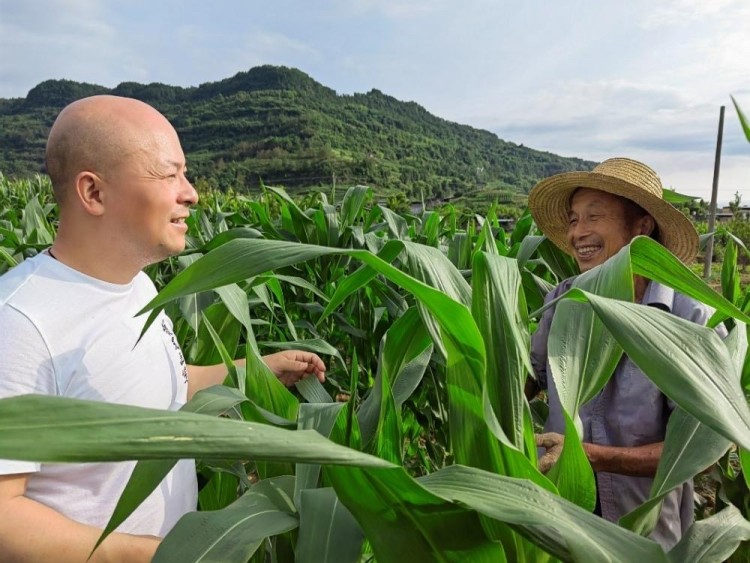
714, 192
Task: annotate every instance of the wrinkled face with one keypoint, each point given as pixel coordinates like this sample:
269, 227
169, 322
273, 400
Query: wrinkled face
147, 196
599, 225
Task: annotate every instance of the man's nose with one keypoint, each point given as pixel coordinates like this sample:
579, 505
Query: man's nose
579, 229
189, 195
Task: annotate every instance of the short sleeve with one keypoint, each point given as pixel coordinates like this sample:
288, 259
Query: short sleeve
26, 367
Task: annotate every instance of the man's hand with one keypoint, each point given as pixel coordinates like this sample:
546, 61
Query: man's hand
553, 443
292, 365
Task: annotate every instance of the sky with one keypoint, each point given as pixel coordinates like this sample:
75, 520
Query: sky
586, 78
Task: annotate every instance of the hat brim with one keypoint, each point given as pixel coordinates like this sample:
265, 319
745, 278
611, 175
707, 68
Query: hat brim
549, 205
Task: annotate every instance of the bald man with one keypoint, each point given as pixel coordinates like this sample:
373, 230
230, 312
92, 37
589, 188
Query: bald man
68, 325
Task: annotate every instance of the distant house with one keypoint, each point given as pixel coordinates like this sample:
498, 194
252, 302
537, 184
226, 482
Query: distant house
725, 213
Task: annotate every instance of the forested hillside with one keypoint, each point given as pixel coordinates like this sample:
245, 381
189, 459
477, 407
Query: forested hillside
280, 126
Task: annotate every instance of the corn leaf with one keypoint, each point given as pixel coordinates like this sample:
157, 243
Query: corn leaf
556, 525
400, 517
233, 534
582, 357
353, 205
712, 539
322, 418
55, 429
328, 533
689, 448
499, 309
404, 353
652, 261
744, 121
689, 363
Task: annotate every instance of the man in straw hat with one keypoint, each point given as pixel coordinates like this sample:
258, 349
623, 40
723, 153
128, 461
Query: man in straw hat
591, 216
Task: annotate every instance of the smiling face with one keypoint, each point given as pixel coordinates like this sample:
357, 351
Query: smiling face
600, 224
146, 195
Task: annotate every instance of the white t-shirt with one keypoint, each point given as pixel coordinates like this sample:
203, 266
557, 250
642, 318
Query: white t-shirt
64, 333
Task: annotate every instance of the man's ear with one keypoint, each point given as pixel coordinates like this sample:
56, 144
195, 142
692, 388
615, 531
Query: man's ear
646, 225
88, 191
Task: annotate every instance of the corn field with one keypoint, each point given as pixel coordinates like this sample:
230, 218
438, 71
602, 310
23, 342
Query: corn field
420, 445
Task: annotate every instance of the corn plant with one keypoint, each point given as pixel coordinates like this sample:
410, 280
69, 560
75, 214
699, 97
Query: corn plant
454, 320
27, 219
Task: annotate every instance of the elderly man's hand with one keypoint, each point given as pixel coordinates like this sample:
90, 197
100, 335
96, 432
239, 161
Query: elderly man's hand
292, 365
553, 443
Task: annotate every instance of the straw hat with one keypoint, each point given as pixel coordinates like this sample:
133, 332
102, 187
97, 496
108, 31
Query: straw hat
549, 203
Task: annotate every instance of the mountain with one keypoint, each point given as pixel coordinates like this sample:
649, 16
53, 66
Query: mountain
278, 125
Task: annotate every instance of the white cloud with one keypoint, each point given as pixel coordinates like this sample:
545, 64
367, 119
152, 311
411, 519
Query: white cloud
71, 39
682, 12
584, 78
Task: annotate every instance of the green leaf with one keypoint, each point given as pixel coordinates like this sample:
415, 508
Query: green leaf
457, 332
328, 533
527, 249
399, 516
486, 241
227, 328
237, 260
292, 280
8, 258
232, 369
313, 391
744, 121
423, 518
191, 306
730, 277
687, 362
388, 437
321, 417
294, 219
556, 525
396, 224
514, 462
215, 400
360, 278
432, 267
231, 234
220, 491
582, 357
572, 474
499, 309
265, 388
562, 265
236, 301
689, 447
353, 205
55, 429
405, 351
712, 539
652, 261
674, 197
430, 230
232, 535
147, 474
